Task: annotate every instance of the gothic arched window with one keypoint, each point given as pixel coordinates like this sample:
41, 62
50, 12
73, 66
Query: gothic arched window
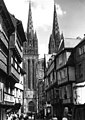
31, 106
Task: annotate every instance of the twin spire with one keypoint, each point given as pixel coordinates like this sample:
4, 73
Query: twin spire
32, 41
55, 23
55, 39
55, 36
30, 22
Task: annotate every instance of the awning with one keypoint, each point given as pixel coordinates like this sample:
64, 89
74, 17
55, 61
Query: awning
17, 106
11, 108
7, 106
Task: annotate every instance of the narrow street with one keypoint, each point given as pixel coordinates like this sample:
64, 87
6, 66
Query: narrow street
42, 59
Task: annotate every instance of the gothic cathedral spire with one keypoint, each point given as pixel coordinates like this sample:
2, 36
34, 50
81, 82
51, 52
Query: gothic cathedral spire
55, 29
55, 32
30, 30
31, 46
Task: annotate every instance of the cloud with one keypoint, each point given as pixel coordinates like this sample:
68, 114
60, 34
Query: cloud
59, 10
42, 11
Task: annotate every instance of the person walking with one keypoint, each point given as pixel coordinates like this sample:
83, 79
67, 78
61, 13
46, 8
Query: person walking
14, 118
26, 117
66, 115
21, 117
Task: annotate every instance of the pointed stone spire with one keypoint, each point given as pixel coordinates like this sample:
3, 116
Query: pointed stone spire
35, 39
36, 42
51, 45
35, 35
55, 30
55, 22
30, 29
61, 45
62, 37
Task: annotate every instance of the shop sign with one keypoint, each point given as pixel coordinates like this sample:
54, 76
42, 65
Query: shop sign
79, 95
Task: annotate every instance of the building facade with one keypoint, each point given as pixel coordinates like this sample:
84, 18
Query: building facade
16, 60
61, 78
51, 88
40, 87
5, 89
79, 88
10, 60
30, 60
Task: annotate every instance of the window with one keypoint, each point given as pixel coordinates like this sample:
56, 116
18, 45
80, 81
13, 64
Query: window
65, 72
81, 50
60, 93
11, 60
59, 77
15, 59
80, 70
62, 74
31, 106
15, 65
51, 77
51, 95
84, 48
60, 59
18, 69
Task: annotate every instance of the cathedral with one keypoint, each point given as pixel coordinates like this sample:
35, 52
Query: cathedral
30, 48
29, 63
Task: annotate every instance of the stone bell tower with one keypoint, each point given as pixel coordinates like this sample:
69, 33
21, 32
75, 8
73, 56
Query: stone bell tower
29, 62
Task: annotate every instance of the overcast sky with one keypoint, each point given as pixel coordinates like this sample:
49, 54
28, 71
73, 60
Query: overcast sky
71, 18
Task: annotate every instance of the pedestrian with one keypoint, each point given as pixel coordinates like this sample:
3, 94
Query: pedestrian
17, 116
26, 117
10, 116
14, 118
66, 115
54, 117
21, 117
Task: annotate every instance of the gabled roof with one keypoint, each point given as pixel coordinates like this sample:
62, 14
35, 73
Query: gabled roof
68, 43
6, 17
14, 20
82, 40
18, 25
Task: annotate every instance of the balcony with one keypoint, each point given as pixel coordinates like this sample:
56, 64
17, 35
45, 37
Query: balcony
9, 98
3, 61
16, 46
68, 100
62, 81
15, 73
4, 39
71, 72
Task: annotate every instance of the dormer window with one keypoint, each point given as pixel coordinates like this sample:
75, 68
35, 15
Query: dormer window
82, 50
